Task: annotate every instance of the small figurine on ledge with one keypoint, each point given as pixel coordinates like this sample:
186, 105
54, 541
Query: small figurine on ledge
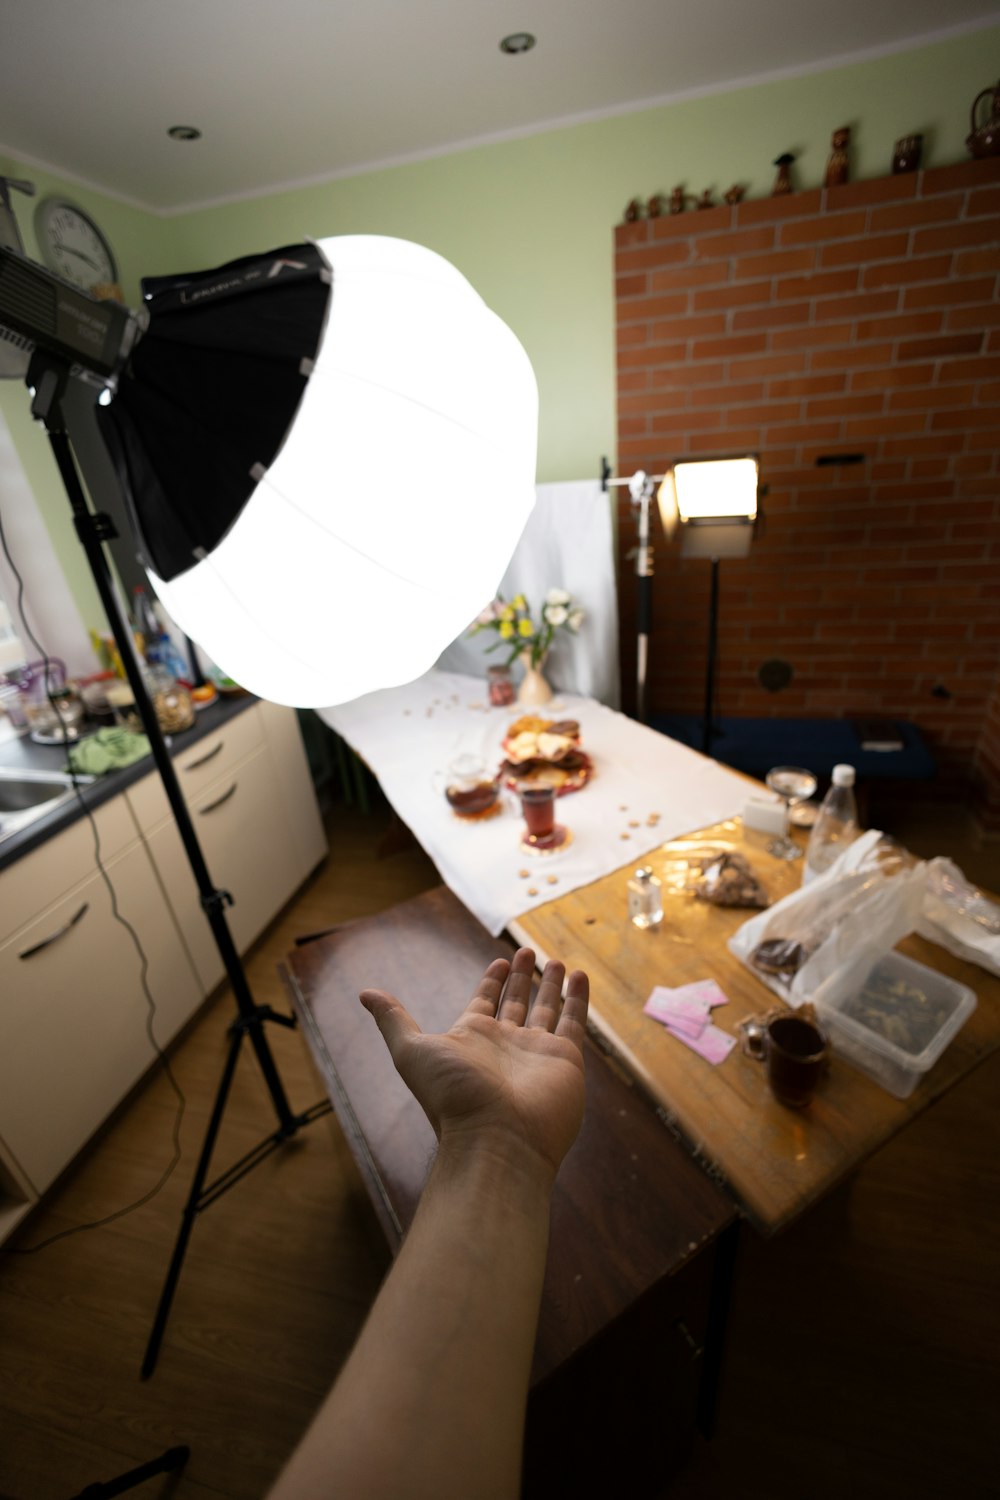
735, 194
838, 167
783, 181
633, 211
656, 205
706, 200
678, 199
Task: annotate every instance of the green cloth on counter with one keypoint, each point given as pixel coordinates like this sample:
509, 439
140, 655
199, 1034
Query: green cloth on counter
107, 750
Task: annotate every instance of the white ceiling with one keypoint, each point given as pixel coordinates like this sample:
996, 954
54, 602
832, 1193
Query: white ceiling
302, 90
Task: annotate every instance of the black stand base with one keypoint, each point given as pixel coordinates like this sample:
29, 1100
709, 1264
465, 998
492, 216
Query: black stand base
174, 1458
204, 1193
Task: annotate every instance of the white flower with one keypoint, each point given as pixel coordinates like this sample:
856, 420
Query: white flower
557, 596
555, 614
575, 620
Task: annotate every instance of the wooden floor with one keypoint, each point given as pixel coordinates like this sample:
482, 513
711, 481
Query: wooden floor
862, 1360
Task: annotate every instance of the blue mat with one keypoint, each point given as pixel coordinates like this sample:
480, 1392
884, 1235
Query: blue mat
755, 745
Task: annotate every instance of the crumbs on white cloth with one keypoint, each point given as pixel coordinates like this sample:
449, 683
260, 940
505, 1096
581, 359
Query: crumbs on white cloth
686, 1012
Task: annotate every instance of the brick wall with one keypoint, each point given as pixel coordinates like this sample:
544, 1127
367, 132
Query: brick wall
854, 320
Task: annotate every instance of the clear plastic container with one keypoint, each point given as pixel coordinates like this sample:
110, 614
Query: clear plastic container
894, 1018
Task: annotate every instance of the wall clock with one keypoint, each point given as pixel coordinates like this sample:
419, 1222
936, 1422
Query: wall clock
72, 245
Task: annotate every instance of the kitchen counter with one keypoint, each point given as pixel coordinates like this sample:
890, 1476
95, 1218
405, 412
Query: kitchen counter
23, 754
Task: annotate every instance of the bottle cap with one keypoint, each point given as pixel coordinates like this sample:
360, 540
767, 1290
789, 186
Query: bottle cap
843, 775
644, 872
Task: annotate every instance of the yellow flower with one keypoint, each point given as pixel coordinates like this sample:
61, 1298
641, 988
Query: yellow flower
507, 613
506, 629
520, 602
525, 627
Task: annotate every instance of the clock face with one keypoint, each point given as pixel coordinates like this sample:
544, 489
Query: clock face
72, 245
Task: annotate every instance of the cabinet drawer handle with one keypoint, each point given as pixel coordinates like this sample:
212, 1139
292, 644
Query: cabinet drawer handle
55, 936
219, 800
194, 764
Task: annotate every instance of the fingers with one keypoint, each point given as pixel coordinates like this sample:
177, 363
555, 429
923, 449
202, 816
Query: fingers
517, 991
548, 1000
486, 1000
572, 1022
392, 1019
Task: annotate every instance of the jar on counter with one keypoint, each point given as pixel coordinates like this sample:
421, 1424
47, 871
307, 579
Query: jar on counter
500, 686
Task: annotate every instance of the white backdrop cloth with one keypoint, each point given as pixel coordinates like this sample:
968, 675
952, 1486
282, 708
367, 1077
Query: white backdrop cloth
408, 736
567, 543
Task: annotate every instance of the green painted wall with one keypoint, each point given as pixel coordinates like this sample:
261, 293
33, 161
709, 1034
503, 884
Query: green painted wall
530, 221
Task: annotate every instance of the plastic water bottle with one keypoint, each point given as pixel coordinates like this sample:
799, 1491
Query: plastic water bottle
836, 826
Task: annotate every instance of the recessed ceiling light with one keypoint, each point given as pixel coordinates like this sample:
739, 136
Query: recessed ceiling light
518, 41
184, 133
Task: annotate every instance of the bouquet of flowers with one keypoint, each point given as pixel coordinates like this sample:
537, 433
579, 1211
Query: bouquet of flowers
516, 628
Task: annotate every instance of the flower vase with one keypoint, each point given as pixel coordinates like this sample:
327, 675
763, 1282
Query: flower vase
534, 689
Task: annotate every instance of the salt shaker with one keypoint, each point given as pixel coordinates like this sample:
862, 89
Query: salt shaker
645, 899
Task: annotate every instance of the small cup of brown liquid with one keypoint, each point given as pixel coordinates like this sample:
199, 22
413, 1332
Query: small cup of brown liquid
793, 1050
472, 792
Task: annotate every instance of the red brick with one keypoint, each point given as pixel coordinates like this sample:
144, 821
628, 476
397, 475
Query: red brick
773, 364
956, 236
747, 294
805, 432
844, 406
949, 294
631, 426
672, 226
785, 206
740, 242
988, 394
627, 235
873, 190
931, 398
642, 309
689, 327
807, 385
904, 325
976, 262
966, 174
819, 284
863, 306
687, 375
771, 411
903, 272
771, 316
650, 257
633, 380
852, 356
631, 286
825, 227
941, 348
727, 394
984, 201
909, 447
681, 421
910, 215
894, 375
778, 263
635, 333
731, 348
883, 426
859, 252
982, 368
664, 401
687, 276
809, 338
965, 420
974, 317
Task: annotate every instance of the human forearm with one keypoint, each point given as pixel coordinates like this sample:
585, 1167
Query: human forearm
431, 1401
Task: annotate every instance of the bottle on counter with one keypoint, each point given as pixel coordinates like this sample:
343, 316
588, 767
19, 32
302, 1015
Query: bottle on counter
645, 899
835, 827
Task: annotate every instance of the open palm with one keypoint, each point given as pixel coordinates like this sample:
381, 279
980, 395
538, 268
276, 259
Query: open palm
510, 1071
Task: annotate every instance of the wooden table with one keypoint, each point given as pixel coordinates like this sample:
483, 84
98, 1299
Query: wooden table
633, 1306
773, 1160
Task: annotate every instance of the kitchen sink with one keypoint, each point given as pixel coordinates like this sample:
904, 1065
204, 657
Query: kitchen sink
28, 795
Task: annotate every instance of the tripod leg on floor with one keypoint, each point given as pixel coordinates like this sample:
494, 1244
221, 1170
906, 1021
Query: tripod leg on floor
174, 1458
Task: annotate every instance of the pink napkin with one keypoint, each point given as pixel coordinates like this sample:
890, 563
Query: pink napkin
686, 1013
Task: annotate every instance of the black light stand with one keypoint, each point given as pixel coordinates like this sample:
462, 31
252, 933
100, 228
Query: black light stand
47, 378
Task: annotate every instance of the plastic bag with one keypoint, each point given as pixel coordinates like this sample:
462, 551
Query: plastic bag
960, 917
861, 906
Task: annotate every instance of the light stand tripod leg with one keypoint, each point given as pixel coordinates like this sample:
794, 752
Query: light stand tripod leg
47, 379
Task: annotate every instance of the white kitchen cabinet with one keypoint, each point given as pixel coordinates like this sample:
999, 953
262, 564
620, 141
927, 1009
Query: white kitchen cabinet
255, 814
74, 1017
73, 1014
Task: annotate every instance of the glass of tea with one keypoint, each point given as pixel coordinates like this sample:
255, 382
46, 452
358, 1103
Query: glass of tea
792, 1048
542, 834
472, 792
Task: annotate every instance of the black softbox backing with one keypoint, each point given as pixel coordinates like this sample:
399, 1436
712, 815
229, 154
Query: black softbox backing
209, 394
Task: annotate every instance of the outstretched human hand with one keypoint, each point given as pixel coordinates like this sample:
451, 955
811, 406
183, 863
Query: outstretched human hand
508, 1076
